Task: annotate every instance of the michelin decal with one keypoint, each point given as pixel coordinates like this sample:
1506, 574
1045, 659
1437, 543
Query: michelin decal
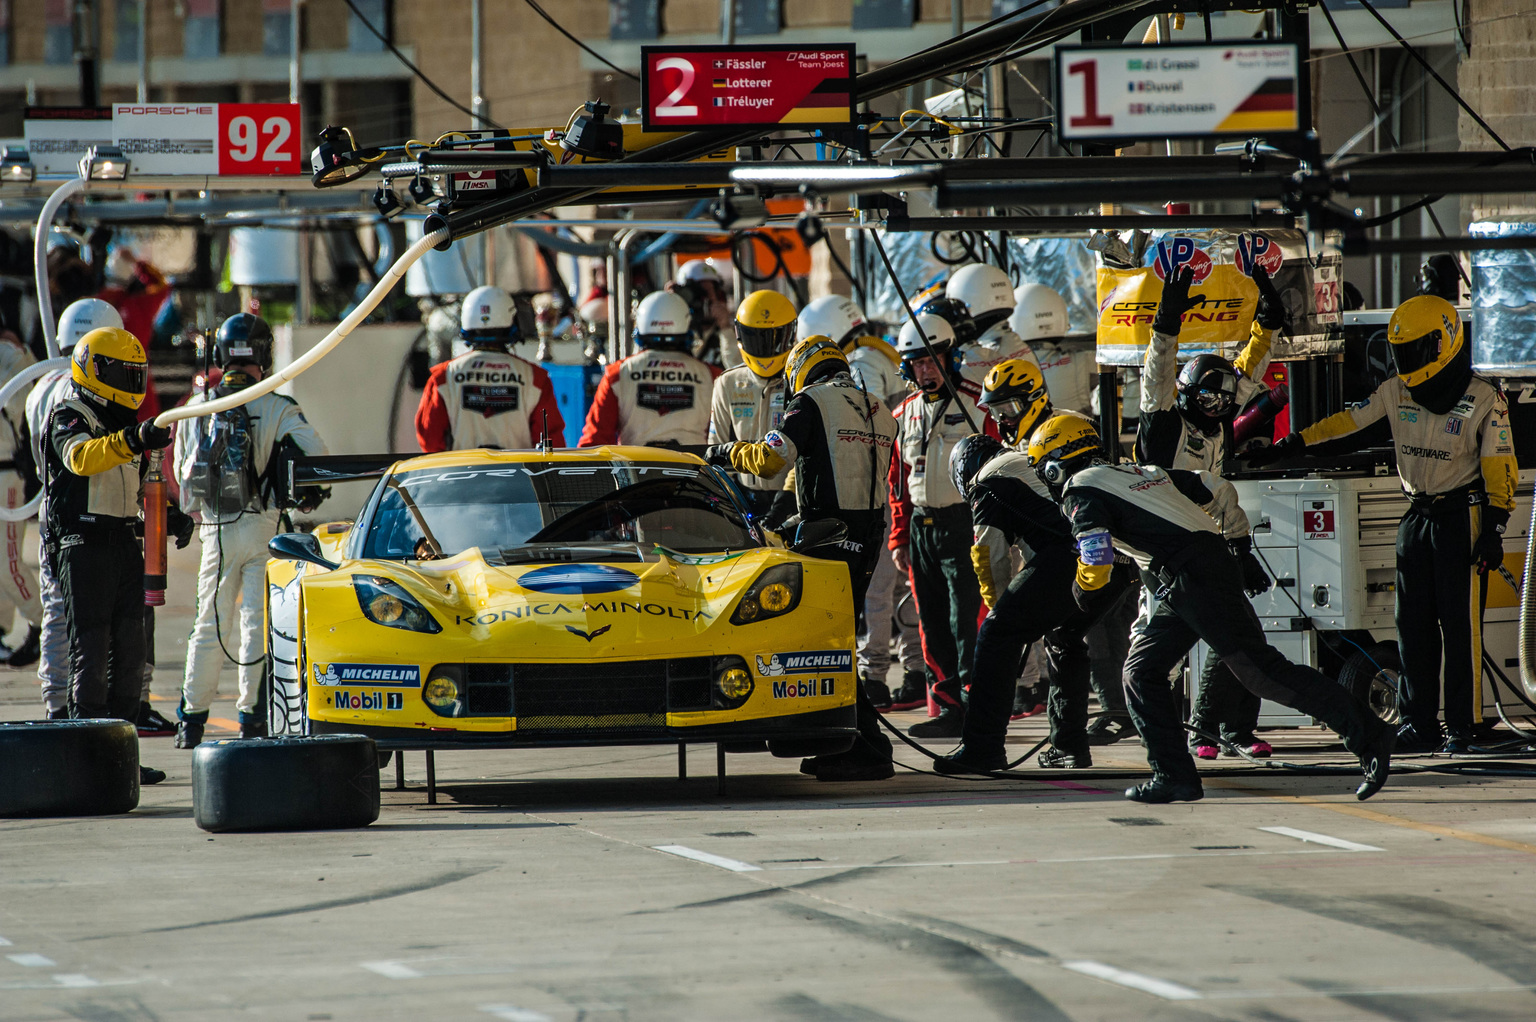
810, 662
395, 675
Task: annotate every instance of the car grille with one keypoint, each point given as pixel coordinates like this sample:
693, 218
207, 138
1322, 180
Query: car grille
622, 694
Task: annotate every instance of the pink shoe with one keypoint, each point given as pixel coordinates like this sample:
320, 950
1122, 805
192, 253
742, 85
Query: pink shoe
1259, 749
1206, 752
1037, 709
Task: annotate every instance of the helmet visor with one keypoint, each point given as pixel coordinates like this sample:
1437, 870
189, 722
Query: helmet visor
1217, 401
1416, 354
1010, 408
128, 377
766, 341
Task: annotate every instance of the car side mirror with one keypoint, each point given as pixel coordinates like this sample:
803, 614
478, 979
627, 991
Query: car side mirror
299, 546
818, 538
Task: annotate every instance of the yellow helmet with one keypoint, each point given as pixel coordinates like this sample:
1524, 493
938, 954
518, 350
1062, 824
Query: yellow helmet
1014, 392
1061, 445
110, 364
810, 357
765, 328
1425, 334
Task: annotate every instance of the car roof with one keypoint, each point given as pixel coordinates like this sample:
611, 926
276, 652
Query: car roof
481, 456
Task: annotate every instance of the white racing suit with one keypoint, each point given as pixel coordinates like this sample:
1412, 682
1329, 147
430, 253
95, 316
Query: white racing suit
747, 407
53, 661
996, 345
17, 586
234, 562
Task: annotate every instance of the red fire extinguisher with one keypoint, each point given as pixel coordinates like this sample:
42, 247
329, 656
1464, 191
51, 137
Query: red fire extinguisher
154, 532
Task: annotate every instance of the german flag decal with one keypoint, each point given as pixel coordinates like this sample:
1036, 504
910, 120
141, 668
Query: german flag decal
1270, 107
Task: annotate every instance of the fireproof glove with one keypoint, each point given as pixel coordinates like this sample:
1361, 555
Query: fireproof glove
1286, 447
145, 436
1488, 550
1175, 302
1271, 314
719, 454
179, 524
1256, 580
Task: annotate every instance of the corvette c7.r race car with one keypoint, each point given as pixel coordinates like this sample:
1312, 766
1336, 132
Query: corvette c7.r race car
609, 595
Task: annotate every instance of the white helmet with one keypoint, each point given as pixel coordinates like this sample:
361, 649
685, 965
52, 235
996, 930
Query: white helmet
661, 321
941, 337
594, 312
831, 316
1040, 314
84, 316
981, 288
696, 270
488, 316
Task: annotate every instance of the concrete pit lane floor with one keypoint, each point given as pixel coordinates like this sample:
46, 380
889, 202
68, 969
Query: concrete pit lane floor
592, 884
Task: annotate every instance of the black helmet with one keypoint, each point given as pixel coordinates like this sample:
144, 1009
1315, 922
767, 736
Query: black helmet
953, 312
1208, 391
243, 339
968, 457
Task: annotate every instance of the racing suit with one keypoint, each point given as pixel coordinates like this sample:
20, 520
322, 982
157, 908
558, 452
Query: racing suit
1165, 437
1010, 508
839, 438
18, 587
1458, 469
931, 518
1155, 517
53, 658
234, 560
1069, 368
487, 398
873, 365
998, 343
91, 505
746, 407
652, 397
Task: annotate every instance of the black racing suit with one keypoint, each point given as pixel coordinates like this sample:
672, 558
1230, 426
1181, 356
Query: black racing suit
91, 506
839, 440
1156, 517
1012, 508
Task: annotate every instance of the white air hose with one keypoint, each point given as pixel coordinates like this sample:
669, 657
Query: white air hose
1528, 614
13, 386
60, 195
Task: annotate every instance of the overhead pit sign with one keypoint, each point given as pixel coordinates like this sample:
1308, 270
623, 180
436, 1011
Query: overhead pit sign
1129, 93
691, 87
170, 138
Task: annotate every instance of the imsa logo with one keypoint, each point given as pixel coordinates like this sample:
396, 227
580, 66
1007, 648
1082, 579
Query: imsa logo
804, 689
344, 700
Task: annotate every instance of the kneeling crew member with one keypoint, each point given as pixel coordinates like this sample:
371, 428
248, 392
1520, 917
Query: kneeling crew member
1457, 464
91, 486
839, 439
488, 397
1011, 507
1155, 517
661, 394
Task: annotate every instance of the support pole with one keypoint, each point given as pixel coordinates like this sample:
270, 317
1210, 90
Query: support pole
719, 768
682, 761
431, 779
399, 769
142, 92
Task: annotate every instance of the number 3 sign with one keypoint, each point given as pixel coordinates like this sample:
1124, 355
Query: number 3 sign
258, 138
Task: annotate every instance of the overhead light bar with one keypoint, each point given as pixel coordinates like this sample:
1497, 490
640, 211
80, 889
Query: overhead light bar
849, 178
104, 163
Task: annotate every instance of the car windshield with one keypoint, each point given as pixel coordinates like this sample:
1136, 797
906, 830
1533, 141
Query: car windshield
541, 511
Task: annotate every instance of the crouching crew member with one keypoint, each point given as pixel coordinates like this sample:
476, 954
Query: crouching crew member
839, 438
661, 394
1457, 464
1156, 517
1012, 508
488, 397
91, 503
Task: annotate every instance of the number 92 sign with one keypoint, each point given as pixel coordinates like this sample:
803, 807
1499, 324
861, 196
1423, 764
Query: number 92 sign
259, 138
209, 138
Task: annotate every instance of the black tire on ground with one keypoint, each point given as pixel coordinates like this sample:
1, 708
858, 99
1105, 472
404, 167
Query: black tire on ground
68, 767
312, 783
802, 748
1372, 676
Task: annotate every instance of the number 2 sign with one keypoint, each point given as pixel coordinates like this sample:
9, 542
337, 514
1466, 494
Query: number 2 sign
258, 138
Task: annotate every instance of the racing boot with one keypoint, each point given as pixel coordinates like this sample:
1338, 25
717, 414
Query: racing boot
151, 724
62, 713
1109, 730
1205, 749
189, 733
29, 651
1162, 790
149, 775
879, 694
1251, 745
1458, 742
912, 693
973, 760
253, 726
950, 723
1413, 740
1376, 761
1026, 702
1060, 759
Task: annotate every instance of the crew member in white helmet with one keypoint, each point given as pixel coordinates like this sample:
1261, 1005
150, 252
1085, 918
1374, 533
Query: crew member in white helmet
488, 397
661, 394
1040, 319
876, 368
987, 296
699, 284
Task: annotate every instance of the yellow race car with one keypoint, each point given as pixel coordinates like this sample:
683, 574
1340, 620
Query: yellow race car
608, 595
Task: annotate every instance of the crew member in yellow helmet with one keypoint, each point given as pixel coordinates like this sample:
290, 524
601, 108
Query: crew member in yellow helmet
91, 460
1014, 395
1450, 428
748, 401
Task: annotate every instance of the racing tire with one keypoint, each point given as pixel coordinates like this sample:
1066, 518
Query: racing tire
809, 748
68, 767
322, 782
1372, 676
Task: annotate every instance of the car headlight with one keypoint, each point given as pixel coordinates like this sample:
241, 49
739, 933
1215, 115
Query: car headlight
776, 592
733, 683
385, 602
442, 692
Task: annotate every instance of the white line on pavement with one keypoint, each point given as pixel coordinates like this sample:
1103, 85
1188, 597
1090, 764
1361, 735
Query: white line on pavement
1322, 839
392, 970
512, 1013
1163, 988
1016, 862
734, 865
32, 960
75, 979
